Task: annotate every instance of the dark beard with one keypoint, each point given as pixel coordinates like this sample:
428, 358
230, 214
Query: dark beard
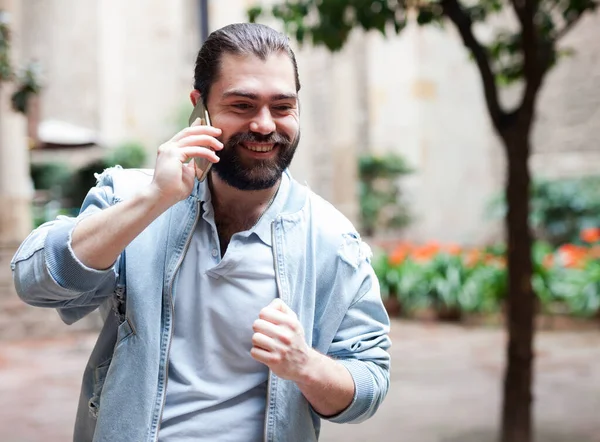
261, 174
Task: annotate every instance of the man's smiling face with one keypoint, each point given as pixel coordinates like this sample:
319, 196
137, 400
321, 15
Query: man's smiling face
255, 104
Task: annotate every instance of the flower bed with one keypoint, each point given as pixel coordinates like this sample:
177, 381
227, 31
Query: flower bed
450, 282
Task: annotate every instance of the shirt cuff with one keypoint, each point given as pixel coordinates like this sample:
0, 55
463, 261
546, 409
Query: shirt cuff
66, 269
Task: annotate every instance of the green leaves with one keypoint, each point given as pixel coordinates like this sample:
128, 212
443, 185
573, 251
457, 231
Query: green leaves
566, 280
6, 71
254, 13
27, 82
506, 56
330, 22
381, 204
482, 10
429, 13
560, 209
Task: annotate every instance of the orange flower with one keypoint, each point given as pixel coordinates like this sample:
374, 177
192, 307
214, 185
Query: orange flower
548, 261
591, 235
595, 252
498, 261
453, 249
426, 252
572, 256
399, 254
472, 257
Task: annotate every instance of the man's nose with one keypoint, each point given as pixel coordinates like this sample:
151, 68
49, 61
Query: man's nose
262, 122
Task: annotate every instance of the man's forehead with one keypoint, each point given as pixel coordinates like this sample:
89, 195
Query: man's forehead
250, 74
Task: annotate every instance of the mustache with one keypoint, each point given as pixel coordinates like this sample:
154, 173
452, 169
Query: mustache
253, 137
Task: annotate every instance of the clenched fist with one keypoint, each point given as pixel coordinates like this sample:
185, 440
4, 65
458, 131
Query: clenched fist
278, 342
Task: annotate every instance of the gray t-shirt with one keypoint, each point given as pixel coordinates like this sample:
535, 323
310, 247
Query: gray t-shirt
216, 391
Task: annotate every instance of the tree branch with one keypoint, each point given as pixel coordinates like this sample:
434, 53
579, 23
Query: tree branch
567, 27
464, 24
534, 59
538, 59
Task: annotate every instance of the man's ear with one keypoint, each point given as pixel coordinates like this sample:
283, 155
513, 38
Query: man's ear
194, 96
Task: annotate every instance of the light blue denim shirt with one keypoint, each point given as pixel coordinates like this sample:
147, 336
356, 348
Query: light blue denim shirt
216, 391
322, 271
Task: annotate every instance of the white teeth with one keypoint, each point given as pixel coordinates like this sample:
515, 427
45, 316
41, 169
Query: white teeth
259, 148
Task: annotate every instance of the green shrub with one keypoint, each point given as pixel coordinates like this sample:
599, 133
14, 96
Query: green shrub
566, 279
129, 155
54, 177
380, 197
560, 209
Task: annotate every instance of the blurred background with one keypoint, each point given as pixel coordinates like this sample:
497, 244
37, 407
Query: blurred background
397, 133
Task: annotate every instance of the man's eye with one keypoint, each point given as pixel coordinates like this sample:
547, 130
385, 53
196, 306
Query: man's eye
283, 108
242, 106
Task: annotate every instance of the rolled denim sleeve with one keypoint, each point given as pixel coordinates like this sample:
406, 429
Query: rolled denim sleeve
47, 273
361, 345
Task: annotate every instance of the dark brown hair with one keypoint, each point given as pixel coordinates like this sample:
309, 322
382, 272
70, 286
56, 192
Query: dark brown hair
238, 39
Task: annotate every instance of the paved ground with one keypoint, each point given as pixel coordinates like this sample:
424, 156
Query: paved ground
446, 383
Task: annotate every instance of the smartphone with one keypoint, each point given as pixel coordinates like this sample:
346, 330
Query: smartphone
202, 164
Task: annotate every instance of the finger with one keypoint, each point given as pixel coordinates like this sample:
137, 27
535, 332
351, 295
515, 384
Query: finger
263, 341
278, 317
199, 129
278, 304
201, 140
264, 356
186, 153
282, 334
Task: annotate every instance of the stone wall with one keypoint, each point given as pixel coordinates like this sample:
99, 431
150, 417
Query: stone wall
125, 70
122, 68
567, 133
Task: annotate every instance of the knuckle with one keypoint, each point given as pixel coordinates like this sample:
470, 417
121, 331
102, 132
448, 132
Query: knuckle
285, 338
188, 130
295, 327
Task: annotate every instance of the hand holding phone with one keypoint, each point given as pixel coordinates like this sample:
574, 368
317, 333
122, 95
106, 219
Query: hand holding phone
202, 165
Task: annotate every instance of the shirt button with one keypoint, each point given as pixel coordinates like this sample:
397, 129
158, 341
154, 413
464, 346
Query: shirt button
215, 252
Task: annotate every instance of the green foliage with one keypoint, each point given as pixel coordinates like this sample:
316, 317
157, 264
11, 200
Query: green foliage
27, 82
429, 277
381, 204
583, 298
6, 71
27, 85
50, 176
560, 209
566, 280
83, 180
330, 22
72, 186
130, 155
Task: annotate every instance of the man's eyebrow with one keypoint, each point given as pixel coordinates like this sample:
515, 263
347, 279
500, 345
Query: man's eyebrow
253, 96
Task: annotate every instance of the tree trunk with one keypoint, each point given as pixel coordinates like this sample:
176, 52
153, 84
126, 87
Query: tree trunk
517, 410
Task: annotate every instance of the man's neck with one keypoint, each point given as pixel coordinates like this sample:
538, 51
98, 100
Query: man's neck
237, 210
234, 202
